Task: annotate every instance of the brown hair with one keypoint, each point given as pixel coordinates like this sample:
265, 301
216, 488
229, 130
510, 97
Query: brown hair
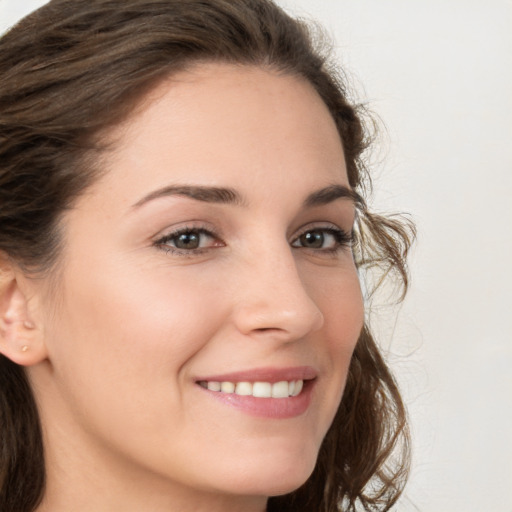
73, 69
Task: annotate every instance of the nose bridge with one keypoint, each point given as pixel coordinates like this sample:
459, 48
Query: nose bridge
274, 299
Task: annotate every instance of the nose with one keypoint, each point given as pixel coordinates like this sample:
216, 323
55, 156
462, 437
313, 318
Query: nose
272, 300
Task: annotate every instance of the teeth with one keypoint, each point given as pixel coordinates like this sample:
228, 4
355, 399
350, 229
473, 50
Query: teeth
227, 387
243, 388
214, 386
262, 389
282, 389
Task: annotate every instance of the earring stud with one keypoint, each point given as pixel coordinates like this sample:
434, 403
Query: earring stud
24, 348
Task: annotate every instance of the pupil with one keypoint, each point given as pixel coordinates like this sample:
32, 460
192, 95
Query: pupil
312, 239
188, 241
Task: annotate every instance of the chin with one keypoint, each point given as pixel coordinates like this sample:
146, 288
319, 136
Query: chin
285, 485
275, 477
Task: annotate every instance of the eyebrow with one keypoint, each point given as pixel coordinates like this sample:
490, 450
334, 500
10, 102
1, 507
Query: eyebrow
223, 195
332, 193
198, 192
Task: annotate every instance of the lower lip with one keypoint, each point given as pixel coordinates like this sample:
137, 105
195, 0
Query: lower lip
274, 408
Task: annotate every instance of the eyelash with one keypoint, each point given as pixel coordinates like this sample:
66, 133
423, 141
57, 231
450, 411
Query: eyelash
163, 242
341, 238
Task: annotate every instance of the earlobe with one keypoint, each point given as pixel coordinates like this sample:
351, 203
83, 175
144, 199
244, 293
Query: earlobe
21, 338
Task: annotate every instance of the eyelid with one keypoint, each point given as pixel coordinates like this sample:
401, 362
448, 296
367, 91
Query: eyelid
319, 226
347, 236
161, 241
343, 238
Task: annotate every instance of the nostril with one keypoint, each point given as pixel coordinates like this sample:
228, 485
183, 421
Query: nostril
287, 313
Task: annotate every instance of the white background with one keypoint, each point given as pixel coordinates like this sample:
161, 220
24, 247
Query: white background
439, 74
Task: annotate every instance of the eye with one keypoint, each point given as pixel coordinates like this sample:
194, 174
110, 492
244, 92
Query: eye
323, 239
188, 240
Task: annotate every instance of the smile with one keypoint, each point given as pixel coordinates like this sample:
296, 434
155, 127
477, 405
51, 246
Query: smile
282, 389
273, 393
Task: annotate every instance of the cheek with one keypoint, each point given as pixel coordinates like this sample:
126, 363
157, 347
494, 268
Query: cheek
338, 296
122, 346
161, 317
131, 328
341, 303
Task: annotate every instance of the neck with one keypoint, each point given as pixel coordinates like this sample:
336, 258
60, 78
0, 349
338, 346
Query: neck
103, 489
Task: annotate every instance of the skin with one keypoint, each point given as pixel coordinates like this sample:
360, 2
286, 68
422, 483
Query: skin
132, 325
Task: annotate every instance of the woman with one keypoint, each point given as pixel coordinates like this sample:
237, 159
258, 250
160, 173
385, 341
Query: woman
182, 226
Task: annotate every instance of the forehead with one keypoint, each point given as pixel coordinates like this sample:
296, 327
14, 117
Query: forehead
226, 123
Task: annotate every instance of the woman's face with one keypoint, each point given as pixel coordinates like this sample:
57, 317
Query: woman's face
216, 249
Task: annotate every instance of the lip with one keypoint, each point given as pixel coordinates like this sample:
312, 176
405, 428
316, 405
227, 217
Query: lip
270, 408
271, 375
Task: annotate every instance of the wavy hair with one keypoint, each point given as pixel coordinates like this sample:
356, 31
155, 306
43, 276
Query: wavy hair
74, 68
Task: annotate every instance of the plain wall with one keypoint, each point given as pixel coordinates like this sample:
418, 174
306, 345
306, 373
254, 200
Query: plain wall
439, 74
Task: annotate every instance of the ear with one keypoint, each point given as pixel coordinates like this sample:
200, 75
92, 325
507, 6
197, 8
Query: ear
21, 340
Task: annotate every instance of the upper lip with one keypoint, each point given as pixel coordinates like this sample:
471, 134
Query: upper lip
264, 375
